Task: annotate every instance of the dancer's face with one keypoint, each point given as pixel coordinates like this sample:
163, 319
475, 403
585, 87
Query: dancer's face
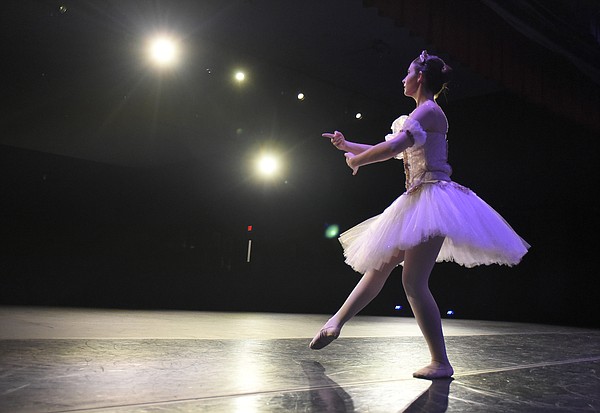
412, 80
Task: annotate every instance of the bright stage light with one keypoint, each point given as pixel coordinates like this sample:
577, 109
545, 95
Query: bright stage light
268, 165
163, 51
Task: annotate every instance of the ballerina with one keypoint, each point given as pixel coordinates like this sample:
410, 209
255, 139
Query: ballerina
436, 219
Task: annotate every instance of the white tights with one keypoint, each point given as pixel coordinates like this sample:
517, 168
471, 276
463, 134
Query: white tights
418, 263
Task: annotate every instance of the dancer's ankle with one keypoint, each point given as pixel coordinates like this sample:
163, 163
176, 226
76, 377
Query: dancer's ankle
337, 321
333, 323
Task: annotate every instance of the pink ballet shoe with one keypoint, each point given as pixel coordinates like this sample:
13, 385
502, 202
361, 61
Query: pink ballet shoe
324, 337
434, 371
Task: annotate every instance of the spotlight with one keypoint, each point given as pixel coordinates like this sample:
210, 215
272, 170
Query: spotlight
450, 312
163, 51
300, 96
398, 308
267, 165
358, 115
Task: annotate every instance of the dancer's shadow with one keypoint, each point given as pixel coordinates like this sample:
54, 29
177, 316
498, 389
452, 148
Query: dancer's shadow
325, 394
328, 396
433, 400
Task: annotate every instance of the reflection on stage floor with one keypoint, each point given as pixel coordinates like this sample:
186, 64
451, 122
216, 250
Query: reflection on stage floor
92, 360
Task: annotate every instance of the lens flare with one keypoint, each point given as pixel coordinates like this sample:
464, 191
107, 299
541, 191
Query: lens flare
332, 231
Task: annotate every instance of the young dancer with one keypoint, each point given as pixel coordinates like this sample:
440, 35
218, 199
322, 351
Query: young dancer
436, 219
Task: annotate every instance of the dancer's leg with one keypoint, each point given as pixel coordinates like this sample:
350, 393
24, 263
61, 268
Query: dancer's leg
418, 263
365, 291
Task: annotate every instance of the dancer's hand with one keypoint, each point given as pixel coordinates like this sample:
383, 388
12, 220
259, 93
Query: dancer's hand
349, 156
337, 139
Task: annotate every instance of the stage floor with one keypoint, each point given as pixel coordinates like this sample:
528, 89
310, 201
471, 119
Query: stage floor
85, 360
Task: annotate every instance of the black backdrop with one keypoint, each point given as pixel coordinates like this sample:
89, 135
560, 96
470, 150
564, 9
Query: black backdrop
80, 233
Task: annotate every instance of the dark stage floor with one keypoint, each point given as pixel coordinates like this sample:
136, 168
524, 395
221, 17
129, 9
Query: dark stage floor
80, 360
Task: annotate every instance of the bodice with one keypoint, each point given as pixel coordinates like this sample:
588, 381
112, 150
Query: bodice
426, 161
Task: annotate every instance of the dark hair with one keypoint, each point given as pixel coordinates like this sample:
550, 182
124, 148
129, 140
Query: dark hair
435, 71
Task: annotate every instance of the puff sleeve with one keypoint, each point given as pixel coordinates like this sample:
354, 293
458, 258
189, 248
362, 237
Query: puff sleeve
403, 124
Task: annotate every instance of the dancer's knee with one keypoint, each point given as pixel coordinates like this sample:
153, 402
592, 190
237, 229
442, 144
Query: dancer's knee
415, 283
415, 291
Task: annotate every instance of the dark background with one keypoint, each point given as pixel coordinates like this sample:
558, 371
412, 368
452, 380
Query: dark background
123, 187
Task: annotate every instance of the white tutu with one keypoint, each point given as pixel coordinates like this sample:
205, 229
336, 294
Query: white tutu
474, 232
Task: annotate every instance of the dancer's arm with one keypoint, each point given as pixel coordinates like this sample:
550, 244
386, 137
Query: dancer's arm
380, 152
339, 141
422, 115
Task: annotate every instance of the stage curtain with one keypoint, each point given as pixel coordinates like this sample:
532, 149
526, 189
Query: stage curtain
538, 50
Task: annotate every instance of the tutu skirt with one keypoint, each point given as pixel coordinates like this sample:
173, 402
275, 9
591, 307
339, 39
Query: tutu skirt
474, 232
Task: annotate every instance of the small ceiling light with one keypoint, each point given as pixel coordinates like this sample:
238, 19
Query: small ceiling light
240, 76
300, 96
358, 115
